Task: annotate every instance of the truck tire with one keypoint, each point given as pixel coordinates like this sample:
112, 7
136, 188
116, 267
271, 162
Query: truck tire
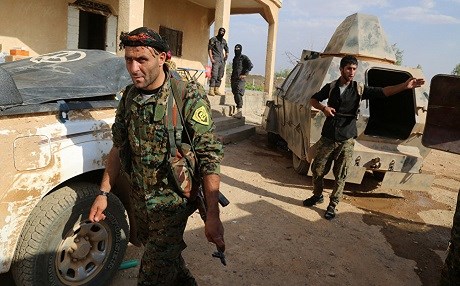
60, 246
272, 139
300, 166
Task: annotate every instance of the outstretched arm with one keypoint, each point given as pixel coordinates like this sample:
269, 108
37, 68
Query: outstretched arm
408, 84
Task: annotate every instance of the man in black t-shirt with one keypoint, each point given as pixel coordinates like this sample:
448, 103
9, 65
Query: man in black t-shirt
339, 130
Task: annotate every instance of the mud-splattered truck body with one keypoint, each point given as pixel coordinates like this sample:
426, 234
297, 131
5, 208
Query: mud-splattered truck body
56, 111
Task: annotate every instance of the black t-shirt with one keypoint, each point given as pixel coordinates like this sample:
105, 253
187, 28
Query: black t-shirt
218, 47
342, 126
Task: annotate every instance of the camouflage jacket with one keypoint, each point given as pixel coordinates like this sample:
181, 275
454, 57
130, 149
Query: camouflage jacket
139, 127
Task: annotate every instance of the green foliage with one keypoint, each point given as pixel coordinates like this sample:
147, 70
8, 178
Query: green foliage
456, 70
250, 86
282, 73
398, 53
229, 68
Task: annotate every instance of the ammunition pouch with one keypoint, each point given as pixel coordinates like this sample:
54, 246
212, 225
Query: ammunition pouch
182, 169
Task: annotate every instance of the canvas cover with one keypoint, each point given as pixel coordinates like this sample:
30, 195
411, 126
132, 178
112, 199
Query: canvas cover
63, 75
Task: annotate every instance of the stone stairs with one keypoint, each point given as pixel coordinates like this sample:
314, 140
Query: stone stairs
229, 129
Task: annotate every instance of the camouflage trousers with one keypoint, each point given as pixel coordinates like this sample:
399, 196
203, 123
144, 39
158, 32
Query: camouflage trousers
161, 218
329, 151
450, 274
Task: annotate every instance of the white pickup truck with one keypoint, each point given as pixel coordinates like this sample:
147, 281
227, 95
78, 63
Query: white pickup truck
56, 111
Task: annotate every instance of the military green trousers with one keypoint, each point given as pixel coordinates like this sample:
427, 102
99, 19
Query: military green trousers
161, 217
329, 151
450, 274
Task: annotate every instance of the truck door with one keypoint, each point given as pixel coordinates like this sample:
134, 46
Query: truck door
442, 127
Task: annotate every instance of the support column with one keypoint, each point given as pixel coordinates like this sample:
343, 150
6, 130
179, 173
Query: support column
130, 17
270, 60
222, 19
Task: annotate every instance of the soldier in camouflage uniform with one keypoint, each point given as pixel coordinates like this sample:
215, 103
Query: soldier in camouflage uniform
339, 130
450, 274
139, 130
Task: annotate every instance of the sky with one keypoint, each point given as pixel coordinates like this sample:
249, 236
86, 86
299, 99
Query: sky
427, 31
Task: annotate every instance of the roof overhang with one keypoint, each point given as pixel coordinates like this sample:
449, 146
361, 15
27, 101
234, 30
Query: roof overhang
238, 7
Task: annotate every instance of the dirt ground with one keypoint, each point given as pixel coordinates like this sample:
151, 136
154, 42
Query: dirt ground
379, 237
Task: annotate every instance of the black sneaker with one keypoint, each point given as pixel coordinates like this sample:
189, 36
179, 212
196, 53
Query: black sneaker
330, 212
313, 200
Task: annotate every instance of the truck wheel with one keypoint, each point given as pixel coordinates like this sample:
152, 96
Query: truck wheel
300, 166
272, 139
60, 246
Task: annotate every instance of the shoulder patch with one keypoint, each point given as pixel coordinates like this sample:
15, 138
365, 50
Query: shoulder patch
201, 116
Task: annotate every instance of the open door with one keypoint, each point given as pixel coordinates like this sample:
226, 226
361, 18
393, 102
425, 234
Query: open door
442, 127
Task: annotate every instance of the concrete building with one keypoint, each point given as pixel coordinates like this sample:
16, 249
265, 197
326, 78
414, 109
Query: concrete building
43, 26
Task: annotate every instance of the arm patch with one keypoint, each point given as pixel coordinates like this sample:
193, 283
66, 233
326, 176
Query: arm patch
201, 116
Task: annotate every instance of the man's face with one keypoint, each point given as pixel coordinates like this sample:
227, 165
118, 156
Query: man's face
144, 65
221, 32
348, 72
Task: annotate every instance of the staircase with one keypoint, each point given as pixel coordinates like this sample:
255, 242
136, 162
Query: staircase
229, 129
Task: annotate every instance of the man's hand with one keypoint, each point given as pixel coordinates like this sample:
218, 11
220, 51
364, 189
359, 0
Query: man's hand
329, 111
99, 205
214, 231
414, 83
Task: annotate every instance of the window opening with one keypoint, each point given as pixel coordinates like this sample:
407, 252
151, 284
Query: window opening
174, 40
394, 116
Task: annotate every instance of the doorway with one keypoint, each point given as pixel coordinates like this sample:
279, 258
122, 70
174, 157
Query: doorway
92, 31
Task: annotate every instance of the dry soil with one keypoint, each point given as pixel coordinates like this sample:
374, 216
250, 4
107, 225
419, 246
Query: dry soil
379, 237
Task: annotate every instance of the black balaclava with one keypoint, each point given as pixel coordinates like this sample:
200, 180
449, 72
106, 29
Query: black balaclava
220, 34
238, 50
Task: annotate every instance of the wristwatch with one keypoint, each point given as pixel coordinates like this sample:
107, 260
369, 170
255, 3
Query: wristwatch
102, 193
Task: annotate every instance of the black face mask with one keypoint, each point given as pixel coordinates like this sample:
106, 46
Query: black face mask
238, 50
220, 35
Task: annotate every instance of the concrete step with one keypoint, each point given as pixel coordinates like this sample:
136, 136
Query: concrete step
229, 129
225, 123
236, 134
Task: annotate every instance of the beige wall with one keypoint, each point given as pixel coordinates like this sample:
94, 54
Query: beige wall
187, 17
39, 26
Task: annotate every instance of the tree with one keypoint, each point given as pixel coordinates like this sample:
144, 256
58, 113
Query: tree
398, 53
456, 70
282, 73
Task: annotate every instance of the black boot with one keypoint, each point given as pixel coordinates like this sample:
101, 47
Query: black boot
313, 200
330, 212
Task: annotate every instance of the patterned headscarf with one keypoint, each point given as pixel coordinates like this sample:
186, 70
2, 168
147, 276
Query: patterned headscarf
144, 37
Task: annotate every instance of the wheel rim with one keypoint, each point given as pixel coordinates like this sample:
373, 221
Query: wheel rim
82, 253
